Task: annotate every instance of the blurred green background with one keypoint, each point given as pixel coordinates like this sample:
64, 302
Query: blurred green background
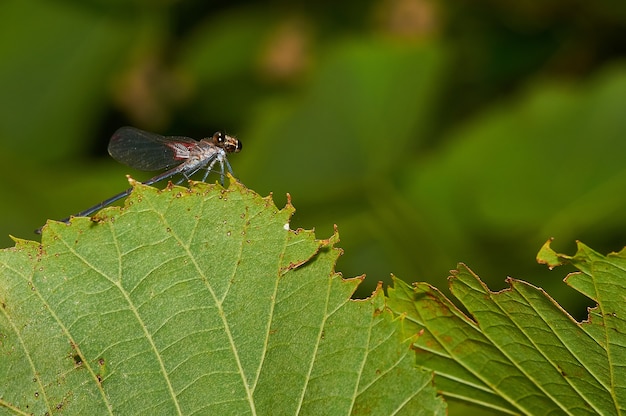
430, 132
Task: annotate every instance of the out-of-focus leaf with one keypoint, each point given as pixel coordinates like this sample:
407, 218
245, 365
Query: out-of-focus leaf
364, 110
519, 351
224, 46
56, 62
567, 145
547, 163
193, 301
219, 58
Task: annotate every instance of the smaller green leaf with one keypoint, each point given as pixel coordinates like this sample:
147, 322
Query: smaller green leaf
603, 279
520, 352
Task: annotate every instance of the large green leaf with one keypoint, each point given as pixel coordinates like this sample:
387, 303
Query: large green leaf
520, 352
198, 301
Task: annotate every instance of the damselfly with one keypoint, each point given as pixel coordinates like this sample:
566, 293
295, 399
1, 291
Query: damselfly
180, 155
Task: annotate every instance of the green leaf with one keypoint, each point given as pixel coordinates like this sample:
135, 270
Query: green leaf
199, 301
519, 352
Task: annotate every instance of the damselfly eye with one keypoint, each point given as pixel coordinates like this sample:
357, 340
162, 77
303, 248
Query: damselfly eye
218, 137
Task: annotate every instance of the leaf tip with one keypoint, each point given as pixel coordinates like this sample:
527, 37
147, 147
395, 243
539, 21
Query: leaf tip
131, 181
548, 256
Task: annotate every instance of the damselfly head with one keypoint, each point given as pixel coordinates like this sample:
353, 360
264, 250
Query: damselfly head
228, 143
